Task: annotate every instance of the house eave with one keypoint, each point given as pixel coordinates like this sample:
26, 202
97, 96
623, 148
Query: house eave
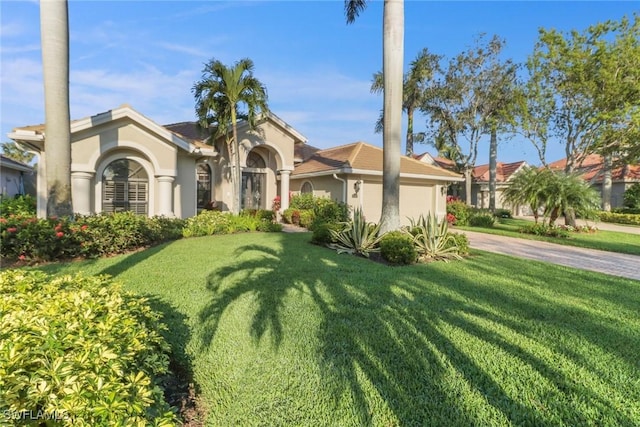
351, 171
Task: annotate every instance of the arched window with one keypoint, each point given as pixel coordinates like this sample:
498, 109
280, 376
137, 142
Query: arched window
203, 182
255, 161
306, 188
125, 187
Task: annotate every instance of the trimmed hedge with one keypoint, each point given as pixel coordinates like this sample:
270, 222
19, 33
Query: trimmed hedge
208, 223
619, 218
79, 348
398, 248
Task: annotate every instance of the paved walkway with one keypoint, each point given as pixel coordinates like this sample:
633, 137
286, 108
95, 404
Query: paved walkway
616, 264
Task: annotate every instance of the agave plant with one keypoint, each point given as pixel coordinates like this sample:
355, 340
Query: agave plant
357, 237
433, 240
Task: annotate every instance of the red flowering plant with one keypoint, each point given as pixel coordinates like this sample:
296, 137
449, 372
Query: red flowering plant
277, 204
451, 219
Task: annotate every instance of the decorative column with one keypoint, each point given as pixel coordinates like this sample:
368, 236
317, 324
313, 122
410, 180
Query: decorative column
81, 192
165, 195
284, 189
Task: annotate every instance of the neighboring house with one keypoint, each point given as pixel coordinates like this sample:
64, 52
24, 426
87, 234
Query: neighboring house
591, 170
122, 160
16, 178
480, 185
352, 174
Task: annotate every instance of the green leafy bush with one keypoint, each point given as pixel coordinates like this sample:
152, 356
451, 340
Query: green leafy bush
19, 205
397, 248
631, 197
306, 218
269, 226
502, 213
261, 214
81, 348
302, 201
541, 229
460, 241
433, 240
482, 220
28, 238
329, 211
460, 210
357, 236
322, 233
620, 218
207, 223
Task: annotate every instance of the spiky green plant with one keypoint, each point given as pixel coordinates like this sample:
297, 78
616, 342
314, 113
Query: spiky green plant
432, 239
357, 237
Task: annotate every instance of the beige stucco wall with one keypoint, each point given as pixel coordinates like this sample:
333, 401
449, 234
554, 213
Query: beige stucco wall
416, 196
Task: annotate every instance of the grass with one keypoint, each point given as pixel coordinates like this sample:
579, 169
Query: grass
611, 241
281, 332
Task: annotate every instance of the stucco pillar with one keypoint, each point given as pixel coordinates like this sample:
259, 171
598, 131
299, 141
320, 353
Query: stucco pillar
165, 195
284, 189
81, 192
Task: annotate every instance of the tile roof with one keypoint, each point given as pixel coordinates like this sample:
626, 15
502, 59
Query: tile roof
189, 130
437, 161
591, 169
503, 171
302, 152
363, 157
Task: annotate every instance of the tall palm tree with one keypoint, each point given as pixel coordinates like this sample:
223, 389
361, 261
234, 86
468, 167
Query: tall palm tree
54, 29
392, 54
416, 82
220, 97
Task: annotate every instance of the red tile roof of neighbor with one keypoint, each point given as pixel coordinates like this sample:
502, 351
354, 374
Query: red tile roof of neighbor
591, 169
362, 156
503, 171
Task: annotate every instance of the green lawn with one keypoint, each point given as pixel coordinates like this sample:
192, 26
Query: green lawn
611, 241
281, 332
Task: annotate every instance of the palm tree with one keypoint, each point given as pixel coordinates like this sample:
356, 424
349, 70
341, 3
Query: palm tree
528, 188
416, 81
392, 54
220, 95
54, 29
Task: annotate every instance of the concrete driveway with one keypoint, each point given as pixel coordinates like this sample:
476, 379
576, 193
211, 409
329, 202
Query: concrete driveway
616, 264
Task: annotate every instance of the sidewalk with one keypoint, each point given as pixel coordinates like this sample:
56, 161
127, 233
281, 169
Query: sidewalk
616, 264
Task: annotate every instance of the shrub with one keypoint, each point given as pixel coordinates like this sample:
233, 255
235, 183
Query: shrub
397, 248
620, 218
306, 218
432, 239
357, 236
18, 205
322, 233
207, 223
261, 214
545, 230
459, 240
302, 201
482, 220
460, 211
631, 196
269, 227
330, 211
287, 215
81, 348
502, 213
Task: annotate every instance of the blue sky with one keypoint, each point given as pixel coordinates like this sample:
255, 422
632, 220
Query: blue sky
316, 68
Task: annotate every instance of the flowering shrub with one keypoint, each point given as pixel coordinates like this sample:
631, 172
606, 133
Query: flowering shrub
80, 348
451, 219
276, 204
27, 238
459, 210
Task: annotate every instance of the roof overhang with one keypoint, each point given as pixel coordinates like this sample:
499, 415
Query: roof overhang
351, 171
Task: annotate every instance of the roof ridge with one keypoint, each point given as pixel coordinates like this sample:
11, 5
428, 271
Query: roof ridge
354, 153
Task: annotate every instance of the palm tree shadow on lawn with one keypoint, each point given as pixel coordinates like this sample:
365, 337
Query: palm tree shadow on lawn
398, 339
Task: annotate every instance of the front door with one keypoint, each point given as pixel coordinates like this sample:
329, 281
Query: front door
252, 190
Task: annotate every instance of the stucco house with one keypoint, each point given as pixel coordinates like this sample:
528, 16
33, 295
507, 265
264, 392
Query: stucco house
122, 160
480, 186
16, 178
591, 169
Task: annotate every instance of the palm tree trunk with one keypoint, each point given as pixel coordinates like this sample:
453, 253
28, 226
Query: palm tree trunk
409, 143
236, 174
54, 23
392, 53
467, 184
607, 183
493, 159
